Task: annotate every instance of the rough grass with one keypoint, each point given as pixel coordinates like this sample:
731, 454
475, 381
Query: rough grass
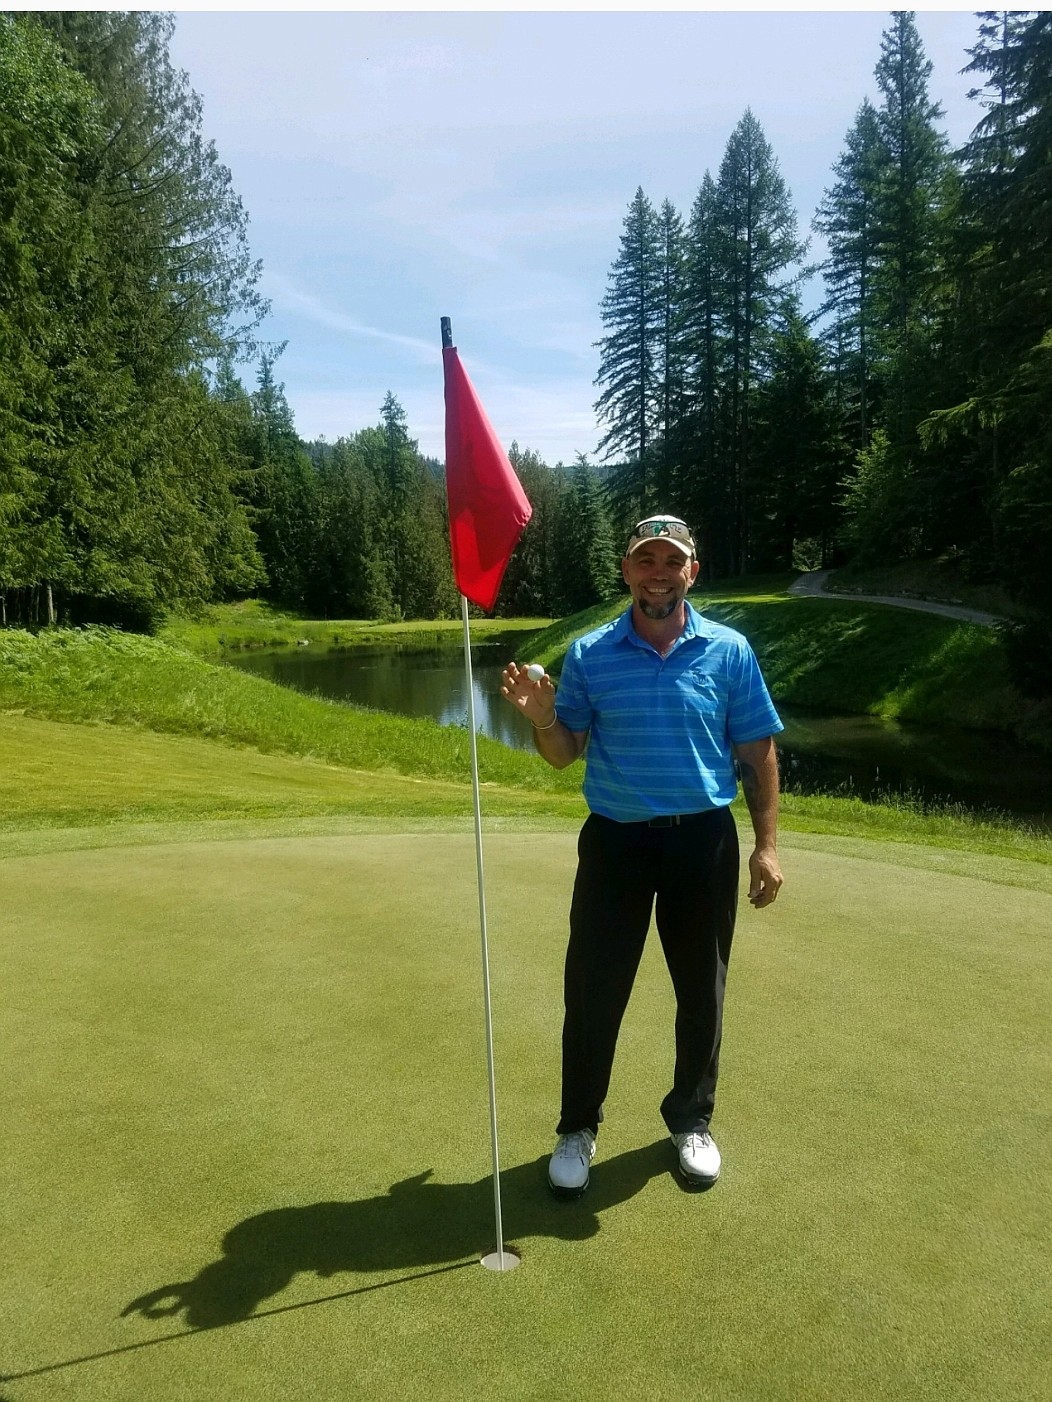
102, 675
253, 624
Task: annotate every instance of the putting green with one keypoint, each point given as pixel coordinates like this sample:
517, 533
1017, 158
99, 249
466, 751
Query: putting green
247, 1147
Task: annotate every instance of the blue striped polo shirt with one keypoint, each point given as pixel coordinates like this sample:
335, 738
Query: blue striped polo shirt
661, 728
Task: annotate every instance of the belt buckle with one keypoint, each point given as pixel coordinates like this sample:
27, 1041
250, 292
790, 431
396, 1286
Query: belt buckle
669, 820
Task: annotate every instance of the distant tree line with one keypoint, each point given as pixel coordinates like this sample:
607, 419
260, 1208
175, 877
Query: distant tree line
908, 416
358, 528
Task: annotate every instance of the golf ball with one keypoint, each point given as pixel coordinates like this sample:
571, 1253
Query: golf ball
535, 671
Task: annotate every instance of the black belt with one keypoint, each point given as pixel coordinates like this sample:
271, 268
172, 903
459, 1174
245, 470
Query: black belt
675, 820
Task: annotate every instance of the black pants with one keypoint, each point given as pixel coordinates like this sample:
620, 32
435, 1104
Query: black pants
692, 871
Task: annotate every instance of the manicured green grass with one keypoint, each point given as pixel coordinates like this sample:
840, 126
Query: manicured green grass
247, 1157
246, 1147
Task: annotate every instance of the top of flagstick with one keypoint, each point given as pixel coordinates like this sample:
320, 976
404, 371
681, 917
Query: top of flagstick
447, 333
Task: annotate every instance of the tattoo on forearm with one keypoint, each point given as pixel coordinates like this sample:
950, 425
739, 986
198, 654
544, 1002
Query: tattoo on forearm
750, 781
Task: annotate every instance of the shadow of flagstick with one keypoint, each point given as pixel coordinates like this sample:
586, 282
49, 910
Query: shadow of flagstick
205, 1329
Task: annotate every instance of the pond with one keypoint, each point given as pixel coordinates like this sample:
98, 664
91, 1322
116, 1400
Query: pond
819, 753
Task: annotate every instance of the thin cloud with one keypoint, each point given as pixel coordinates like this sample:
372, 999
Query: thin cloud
291, 298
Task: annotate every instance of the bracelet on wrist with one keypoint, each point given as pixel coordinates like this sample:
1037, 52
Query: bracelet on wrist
545, 727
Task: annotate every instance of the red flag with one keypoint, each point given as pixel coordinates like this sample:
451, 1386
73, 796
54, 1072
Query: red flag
488, 509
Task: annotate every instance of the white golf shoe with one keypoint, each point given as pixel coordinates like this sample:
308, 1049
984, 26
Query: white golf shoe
568, 1169
699, 1159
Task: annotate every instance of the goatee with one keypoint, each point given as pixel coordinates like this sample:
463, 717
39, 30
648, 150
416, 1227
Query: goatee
658, 611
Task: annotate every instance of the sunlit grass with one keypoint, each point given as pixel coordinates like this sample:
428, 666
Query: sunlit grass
101, 675
246, 1148
254, 624
357, 760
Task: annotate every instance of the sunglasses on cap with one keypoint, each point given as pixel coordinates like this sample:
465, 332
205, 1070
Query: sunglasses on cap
669, 528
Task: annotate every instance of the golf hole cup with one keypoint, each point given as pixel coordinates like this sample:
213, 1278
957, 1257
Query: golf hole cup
535, 671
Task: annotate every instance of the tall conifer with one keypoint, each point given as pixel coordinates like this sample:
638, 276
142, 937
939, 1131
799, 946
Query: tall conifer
847, 217
756, 242
630, 352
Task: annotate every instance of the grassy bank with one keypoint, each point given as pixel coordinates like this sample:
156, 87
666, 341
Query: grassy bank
244, 748
840, 656
97, 674
874, 660
825, 654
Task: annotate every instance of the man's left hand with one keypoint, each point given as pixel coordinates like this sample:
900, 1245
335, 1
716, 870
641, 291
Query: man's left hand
765, 877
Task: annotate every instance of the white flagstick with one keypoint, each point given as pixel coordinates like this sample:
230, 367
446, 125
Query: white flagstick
499, 1260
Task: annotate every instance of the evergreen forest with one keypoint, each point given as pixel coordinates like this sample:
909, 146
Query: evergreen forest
908, 416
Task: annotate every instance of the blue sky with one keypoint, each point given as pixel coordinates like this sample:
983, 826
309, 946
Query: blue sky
402, 166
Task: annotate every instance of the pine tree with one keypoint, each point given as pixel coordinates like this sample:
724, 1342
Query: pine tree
847, 217
527, 587
801, 453
756, 244
703, 487
671, 368
630, 352
1001, 424
351, 577
914, 194
415, 524
283, 490
48, 126
131, 272
584, 552
901, 490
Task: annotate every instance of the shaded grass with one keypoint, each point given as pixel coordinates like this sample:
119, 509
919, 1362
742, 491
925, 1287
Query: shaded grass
876, 660
942, 581
221, 1046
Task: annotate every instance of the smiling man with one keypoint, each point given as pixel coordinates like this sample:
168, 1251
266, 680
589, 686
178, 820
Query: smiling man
661, 703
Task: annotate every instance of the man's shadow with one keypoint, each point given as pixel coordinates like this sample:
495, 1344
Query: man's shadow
416, 1224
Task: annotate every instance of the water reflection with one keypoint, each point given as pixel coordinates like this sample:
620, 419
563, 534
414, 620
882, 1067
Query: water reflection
819, 753
409, 683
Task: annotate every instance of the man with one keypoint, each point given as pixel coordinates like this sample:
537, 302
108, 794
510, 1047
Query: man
661, 702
